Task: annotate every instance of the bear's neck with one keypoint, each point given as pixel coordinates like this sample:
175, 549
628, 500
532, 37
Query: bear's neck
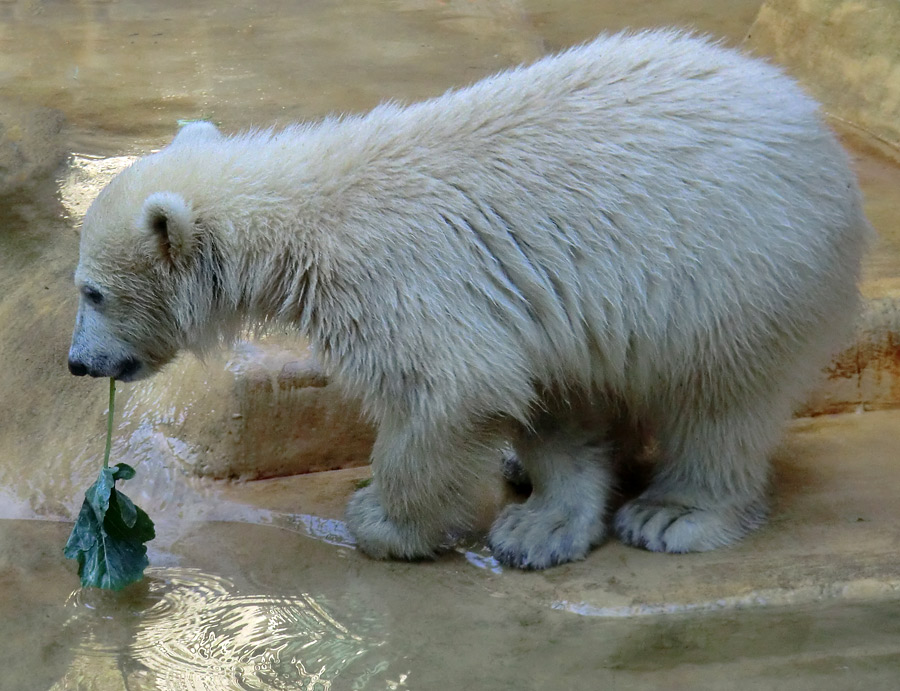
273, 270
282, 237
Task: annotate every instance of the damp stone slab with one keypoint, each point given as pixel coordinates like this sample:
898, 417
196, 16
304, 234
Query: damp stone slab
833, 533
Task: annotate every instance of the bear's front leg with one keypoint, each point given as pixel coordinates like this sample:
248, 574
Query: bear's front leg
566, 461
424, 486
384, 535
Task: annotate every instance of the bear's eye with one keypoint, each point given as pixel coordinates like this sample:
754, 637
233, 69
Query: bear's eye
92, 295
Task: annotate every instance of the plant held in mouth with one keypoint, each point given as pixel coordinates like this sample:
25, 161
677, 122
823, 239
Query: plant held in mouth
109, 536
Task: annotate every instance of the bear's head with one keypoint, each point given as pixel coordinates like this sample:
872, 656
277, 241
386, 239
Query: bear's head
147, 272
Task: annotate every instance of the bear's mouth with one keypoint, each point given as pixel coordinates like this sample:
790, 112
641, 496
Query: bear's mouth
129, 370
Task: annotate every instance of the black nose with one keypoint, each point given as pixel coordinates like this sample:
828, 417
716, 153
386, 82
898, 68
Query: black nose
77, 368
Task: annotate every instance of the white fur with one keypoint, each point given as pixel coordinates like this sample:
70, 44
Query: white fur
648, 232
168, 216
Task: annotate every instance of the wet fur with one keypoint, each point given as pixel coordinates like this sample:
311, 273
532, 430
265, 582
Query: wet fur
647, 228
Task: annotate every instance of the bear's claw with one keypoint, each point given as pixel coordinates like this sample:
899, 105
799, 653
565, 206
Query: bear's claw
670, 526
537, 535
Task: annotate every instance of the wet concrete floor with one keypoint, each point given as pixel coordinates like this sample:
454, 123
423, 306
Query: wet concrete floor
257, 585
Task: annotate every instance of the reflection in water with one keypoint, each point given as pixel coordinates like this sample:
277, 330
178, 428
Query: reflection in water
85, 177
185, 630
328, 530
481, 557
856, 589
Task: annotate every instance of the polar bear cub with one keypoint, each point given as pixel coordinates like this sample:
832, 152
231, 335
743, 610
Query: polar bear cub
645, 237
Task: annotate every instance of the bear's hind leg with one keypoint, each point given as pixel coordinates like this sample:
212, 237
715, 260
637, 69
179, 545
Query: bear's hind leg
424, 486
565, 516
710, 489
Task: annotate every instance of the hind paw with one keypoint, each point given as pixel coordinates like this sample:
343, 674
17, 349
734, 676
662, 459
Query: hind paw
661, 525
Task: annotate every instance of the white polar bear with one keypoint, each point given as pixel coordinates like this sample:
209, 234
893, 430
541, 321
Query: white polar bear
645, 235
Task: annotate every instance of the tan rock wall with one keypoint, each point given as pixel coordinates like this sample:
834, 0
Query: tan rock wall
846, 52
263, 409
866, 376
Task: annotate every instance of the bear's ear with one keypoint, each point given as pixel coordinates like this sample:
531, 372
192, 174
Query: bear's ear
195, 132
166, 217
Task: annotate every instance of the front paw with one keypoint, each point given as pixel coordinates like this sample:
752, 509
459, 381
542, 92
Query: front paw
383, 537
539, 534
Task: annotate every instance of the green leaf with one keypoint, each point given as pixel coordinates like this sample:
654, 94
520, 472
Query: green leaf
127, 509
123, 471
110, 531
108, 537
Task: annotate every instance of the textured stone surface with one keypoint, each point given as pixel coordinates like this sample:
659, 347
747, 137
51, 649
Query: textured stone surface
867, 375
288, 418
832, 533
845, 51
261, 409
30, 145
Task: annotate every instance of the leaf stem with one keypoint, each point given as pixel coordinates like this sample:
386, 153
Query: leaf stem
109, 421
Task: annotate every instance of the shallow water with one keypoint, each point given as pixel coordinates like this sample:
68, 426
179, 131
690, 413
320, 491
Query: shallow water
241, 595
310, 616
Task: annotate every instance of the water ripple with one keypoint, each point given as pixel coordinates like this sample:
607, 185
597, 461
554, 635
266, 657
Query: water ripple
184, 630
